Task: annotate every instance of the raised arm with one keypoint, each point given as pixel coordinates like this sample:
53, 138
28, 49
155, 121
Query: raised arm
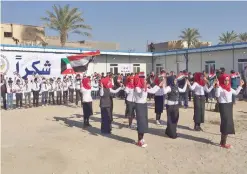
193, 86
127, 91
153, 90
184, 88
208, 89
236, 92
115, 91
218, 90
167, 89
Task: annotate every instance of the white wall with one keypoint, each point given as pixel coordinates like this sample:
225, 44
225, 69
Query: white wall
197, 61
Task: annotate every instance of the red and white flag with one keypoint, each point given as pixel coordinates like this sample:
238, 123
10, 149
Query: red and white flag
80, 62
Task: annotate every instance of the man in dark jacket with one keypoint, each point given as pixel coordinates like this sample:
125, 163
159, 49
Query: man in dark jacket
3, 91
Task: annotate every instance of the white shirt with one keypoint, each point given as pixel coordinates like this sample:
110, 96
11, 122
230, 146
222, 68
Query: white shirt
71, 84
225, 96
199, 90
130, 94
44, 87
101, 93
78, 84
86, 93
168, 90
51, 87
18, 88
27, 87
95, 86
10, 88
59, 86
65, 86
141, 95
35, 86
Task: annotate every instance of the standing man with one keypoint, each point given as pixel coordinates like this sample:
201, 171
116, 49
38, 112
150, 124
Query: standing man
51, 89
36, 90
3, 91
27, 89
59, 91
71, 89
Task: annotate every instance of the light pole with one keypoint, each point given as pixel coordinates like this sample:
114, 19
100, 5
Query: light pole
152, 49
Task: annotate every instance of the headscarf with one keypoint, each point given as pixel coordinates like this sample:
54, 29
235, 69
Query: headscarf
107, 83
86, 83
199, 78
170, 81
222, 82
130, 82
158, 80
136, 78
140, 82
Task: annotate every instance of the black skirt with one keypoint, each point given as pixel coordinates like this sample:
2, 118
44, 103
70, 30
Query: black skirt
226, 116
106, 120
142, 117
199, 109
172, 120
159, 104
130, 109
87, 109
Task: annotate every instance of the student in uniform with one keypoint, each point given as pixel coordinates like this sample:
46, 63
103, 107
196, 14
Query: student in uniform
36, 90
10, 94
95, 87
172, 90
51, 89
159, 100
130, 100
140, 93
44, 92
65, 90
27, 89
59, 89
87, 100
78, 90
71, 89
199, 86
224, 93
18, 93
106, 104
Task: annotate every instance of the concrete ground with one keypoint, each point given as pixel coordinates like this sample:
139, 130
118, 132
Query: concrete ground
50, 140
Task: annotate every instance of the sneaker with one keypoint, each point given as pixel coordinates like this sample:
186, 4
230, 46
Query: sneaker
226, 146
158, 122
141, 143
132, 126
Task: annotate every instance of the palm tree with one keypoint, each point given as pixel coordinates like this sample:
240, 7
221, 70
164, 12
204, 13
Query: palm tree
228, 37
66, 20
191, 36
243, 37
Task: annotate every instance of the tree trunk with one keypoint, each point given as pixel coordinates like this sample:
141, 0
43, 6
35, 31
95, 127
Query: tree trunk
63, 38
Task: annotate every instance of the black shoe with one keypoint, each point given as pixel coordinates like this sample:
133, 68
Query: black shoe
200, 129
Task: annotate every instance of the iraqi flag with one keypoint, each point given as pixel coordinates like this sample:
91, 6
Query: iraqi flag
181, 77
66, 67
212, 76
80, 62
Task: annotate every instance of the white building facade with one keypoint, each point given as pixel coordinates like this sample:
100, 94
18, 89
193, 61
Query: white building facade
28, 60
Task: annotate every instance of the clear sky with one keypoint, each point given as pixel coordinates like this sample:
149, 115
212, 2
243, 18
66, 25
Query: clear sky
131, 24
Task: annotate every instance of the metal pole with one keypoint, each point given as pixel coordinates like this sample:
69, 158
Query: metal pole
201, 59
106, 63
233, 57
152, 61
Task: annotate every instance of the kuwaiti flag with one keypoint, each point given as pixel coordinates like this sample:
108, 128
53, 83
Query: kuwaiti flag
181, 77
212, 75
80, 62
66, 67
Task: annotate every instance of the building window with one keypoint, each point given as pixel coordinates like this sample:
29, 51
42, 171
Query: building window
241, 64
136, 68
209, 67
7, 34
114, 68
159, 67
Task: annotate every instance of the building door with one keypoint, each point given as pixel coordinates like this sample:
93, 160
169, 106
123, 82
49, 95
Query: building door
241, 64
209, 67
158, 68
136, 68
114, 68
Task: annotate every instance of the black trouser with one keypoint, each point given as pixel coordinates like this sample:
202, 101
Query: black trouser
51, 96
18, 99
78, 96
71, 95
59, 97
36, 98
4, 100
65, 97
190, 94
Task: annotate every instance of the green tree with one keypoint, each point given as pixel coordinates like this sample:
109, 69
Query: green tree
66, 20
191, 37
243, 37
228, 37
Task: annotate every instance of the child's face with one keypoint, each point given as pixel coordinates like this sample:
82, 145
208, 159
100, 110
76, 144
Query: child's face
227, 81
